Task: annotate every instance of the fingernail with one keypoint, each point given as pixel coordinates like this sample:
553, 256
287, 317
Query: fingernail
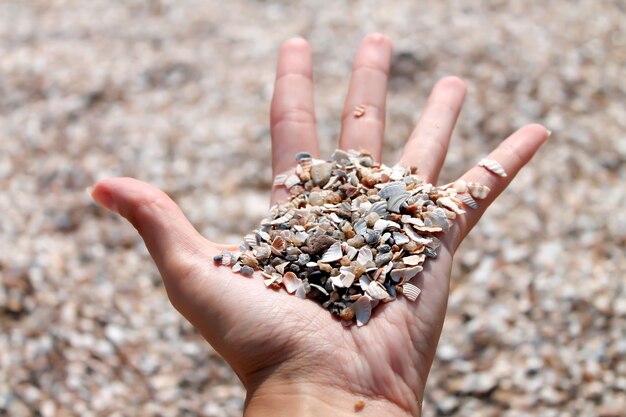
549, 132
103, 198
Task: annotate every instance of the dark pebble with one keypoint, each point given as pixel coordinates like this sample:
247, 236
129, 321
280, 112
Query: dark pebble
218, 259
302, 155
303, 259
372, 237
246, 270
291, 258
319, 243
294, 268
317, 276
383, 258
384, 248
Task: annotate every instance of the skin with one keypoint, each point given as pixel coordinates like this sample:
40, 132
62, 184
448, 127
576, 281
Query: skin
291, 355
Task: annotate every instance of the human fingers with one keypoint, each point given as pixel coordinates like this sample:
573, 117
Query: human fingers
512, 155
176, 247
428, 144
363, 118
292, 114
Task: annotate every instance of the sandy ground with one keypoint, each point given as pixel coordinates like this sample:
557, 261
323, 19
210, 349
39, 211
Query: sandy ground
177, 93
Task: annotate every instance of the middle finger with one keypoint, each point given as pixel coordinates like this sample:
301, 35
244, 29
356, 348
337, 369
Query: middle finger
363, 119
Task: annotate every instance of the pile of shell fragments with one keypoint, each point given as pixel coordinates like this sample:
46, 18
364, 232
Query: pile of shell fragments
353, 233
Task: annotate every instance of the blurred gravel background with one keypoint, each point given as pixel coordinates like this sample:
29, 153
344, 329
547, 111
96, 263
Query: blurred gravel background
177, 93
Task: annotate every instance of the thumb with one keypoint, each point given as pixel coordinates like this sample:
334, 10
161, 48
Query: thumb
176, 247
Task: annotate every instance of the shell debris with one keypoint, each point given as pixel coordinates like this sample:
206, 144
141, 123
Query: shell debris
478, 191
492, 166
359, 111
353, 234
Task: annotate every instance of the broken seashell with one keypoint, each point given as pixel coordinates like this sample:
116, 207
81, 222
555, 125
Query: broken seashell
478, 191
281, 267
392, 188
379, 207
291, 181
399, 238
397, 173
347, 276
410, 291
492, 166
405, 274
469, 201
278, 245
381, 225
251, 240
333, 253
414, 236
280, 179
303, 289
362, 310
282, 219
460, 186
448, 203
291, 282
414, 260
395, 202
377, 291
365, 256
359, 111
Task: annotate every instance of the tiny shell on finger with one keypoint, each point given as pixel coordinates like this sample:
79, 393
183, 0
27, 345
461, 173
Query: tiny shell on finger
460, 186
469, 201
410, 291
280, 179
492, 166
478, 191
359, 111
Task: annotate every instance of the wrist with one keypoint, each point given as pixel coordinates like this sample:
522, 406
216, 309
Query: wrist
290, 398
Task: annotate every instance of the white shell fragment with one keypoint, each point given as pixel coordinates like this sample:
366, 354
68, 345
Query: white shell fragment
377, 291
362, 310
280, 179
460, 186
492, 166
364, 256
292, 180
410, 291
478, 191
469, 201
291, 282
414, 260
333, 253
400, 239
405, 274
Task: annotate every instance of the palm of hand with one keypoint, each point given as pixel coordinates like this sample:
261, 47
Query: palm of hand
261, 331
279, 342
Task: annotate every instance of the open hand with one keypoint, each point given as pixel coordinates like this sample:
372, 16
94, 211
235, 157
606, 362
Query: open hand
292, 356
